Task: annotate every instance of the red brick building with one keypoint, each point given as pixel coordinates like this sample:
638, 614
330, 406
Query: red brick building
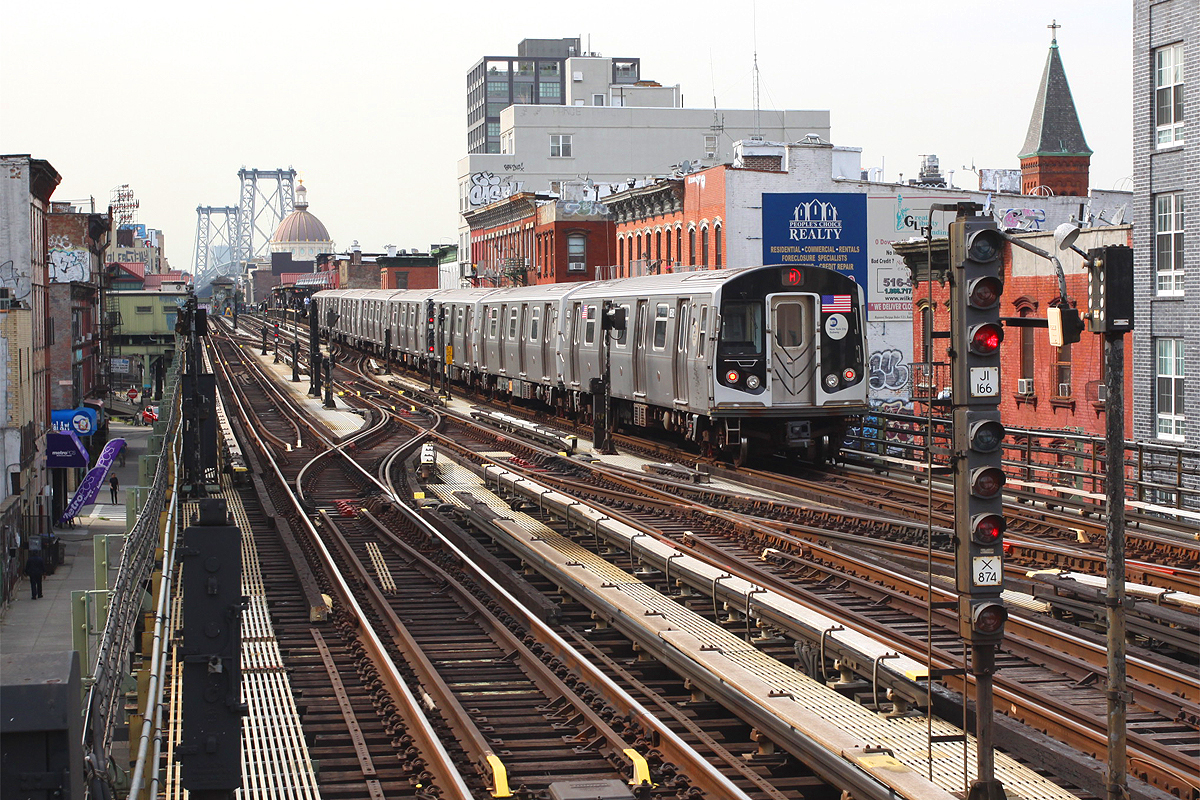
672, 224
526, 239
1042, 387
1055, 158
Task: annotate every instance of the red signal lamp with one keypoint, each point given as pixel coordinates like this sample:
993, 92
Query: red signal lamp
986, 482
986, 339
986, 529
988, 618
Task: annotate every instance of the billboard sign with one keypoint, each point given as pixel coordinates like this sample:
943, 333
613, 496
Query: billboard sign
816, 229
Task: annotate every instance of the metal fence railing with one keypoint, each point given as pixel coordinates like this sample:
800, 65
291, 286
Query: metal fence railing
105, 692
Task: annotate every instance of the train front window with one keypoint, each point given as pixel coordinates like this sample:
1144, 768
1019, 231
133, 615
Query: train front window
789, 325
741, 327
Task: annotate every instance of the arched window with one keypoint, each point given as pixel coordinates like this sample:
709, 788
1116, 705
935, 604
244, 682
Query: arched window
620, 252
668, 245
679, 245
717, 245
640, 254
704, 246
692, 247
658, 245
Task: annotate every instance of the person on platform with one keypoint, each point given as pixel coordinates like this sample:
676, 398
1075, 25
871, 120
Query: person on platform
113, 486
35, 568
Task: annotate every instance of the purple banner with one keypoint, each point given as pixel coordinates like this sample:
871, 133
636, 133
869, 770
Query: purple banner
65, 450
85, 495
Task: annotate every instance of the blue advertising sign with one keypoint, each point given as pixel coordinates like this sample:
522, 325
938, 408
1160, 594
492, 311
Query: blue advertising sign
80, 421
64, 450
85, 495
814, 229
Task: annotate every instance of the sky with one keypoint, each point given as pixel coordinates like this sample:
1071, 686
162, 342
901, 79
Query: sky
367, 100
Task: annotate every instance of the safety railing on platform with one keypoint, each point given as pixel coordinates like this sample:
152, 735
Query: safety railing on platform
1156, 473
110, 669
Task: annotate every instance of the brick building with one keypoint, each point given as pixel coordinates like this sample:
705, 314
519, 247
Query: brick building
1043, 387
76, 243
502, 243
413, 270
1166, 187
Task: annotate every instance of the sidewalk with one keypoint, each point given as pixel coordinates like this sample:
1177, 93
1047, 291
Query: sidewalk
44, 625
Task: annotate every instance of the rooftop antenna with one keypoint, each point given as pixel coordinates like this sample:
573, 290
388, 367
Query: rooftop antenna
757, 126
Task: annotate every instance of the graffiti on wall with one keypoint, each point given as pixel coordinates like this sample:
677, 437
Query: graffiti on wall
17, 283
67, 263
488, 187
582, 208
1022, 219
889, 371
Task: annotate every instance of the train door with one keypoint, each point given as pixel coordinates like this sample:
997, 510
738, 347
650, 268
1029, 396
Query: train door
680, 371
468, 337
519, 341
574, 338
793, 348
639, 351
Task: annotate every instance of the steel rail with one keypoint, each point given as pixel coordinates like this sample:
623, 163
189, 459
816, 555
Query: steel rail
449, 780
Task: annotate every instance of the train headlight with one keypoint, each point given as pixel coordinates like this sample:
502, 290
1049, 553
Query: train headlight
831, 380
752, 382
732, 376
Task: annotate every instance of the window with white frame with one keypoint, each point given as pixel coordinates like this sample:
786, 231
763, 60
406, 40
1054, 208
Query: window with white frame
1168, 94
597, 99
560, 145
1168, 243
710, 145
1169, 390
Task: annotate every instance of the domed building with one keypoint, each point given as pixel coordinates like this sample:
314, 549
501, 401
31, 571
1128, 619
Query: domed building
301, 233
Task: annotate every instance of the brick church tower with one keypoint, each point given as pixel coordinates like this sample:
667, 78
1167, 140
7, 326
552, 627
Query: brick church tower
1055, 156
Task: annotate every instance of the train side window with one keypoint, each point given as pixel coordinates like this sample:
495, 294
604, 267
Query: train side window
535, 318
494, 316
623, 333
589, 326
660, 326
512, 323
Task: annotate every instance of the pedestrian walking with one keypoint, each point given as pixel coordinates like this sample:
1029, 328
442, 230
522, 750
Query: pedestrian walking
35, 568
113, 486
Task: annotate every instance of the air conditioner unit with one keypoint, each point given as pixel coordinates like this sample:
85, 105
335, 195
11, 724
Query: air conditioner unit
1102, 393
1064, 390
1025, 386
576, 266
710, 153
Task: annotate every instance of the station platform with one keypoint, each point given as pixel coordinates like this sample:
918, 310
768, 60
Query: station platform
44, 625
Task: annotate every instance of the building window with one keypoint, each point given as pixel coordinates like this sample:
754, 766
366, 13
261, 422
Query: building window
1169, 395
1062, 371
556, 187
576, 252
717, 245
560, 145
679, 245
692, 247
1027, 351
658, 245
704, 247
620, 252
145, 309
550, 92
1168, 243
710, 145
668, 246
1168, 94
597, 99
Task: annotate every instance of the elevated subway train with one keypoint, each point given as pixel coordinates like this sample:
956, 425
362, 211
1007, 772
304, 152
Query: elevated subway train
750, 360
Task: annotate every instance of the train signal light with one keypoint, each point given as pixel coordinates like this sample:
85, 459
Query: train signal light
430, 322
613, 318
976, 287
1110, 289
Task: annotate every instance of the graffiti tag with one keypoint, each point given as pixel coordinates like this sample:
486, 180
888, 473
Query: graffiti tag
487, 187
67, 263
1025, 219
888, 371
17, 283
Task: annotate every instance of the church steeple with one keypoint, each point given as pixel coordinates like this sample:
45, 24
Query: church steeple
1055, 156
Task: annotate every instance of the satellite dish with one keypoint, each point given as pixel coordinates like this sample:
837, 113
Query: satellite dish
685, 167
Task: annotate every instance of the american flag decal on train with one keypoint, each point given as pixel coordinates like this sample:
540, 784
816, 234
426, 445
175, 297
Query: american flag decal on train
835, 303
